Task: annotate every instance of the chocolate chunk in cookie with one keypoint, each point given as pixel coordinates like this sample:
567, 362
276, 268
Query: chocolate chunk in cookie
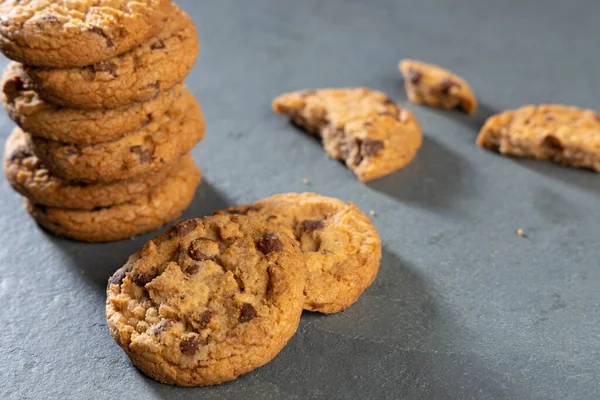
366, 129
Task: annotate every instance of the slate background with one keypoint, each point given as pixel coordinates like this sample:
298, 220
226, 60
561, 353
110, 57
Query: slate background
463, 307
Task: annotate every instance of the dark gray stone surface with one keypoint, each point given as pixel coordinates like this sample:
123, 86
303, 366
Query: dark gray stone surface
463, 307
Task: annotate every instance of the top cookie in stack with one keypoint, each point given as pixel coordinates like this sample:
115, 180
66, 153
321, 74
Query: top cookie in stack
104, 119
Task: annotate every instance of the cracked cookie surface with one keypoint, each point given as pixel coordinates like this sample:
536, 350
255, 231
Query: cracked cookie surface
65, 33
163, 204
28, 176
149, 149
139, 75
341, 247
364, 128
72, 125
566, 135
208, 300
436, 87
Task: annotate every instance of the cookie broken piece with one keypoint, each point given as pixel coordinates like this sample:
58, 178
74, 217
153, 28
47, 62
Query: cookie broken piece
364, 128
566, 135
435, 86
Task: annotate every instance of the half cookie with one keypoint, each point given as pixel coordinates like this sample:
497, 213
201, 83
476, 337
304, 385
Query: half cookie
364, 128
163, 204
437, 87
208, 300
341, 246
563, 134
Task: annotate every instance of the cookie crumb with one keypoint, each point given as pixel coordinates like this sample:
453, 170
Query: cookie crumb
372, 213
305, 181
520, 232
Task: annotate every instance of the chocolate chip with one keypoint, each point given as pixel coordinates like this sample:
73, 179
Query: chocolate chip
553, 142
147, 120
335, 132
269, 243
371, 147
154, 85
118, 276
12, 88
446, 85
309, 226
158, 46
182, 228
145, 156
597, 116
99, 31
49, 18
414, 76
192, 269
106, 66
189, 345
242, 210
368, 123
247, 313
195, 252
205, 318
358, 159
157, 330
143, 278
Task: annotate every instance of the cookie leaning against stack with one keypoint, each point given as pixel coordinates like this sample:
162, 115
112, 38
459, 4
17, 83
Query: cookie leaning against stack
217, 297
105, 123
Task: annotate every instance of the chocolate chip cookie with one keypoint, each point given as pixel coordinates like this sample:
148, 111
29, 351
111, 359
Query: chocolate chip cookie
437, 87
66, 33
71, 125
364, 128
209, 300
158, 144
146, 213
563, 134
341, 246
138, 75
28, 176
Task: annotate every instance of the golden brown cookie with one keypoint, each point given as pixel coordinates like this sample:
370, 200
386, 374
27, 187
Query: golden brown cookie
341, 246
366, 129
28, 176
149, 149
136, 76
437, 87
563, 134
163, 204
209, 300
67, 33
71, 125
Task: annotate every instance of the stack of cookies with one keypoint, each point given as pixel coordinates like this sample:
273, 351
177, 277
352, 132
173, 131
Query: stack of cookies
105, 123
216, 297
